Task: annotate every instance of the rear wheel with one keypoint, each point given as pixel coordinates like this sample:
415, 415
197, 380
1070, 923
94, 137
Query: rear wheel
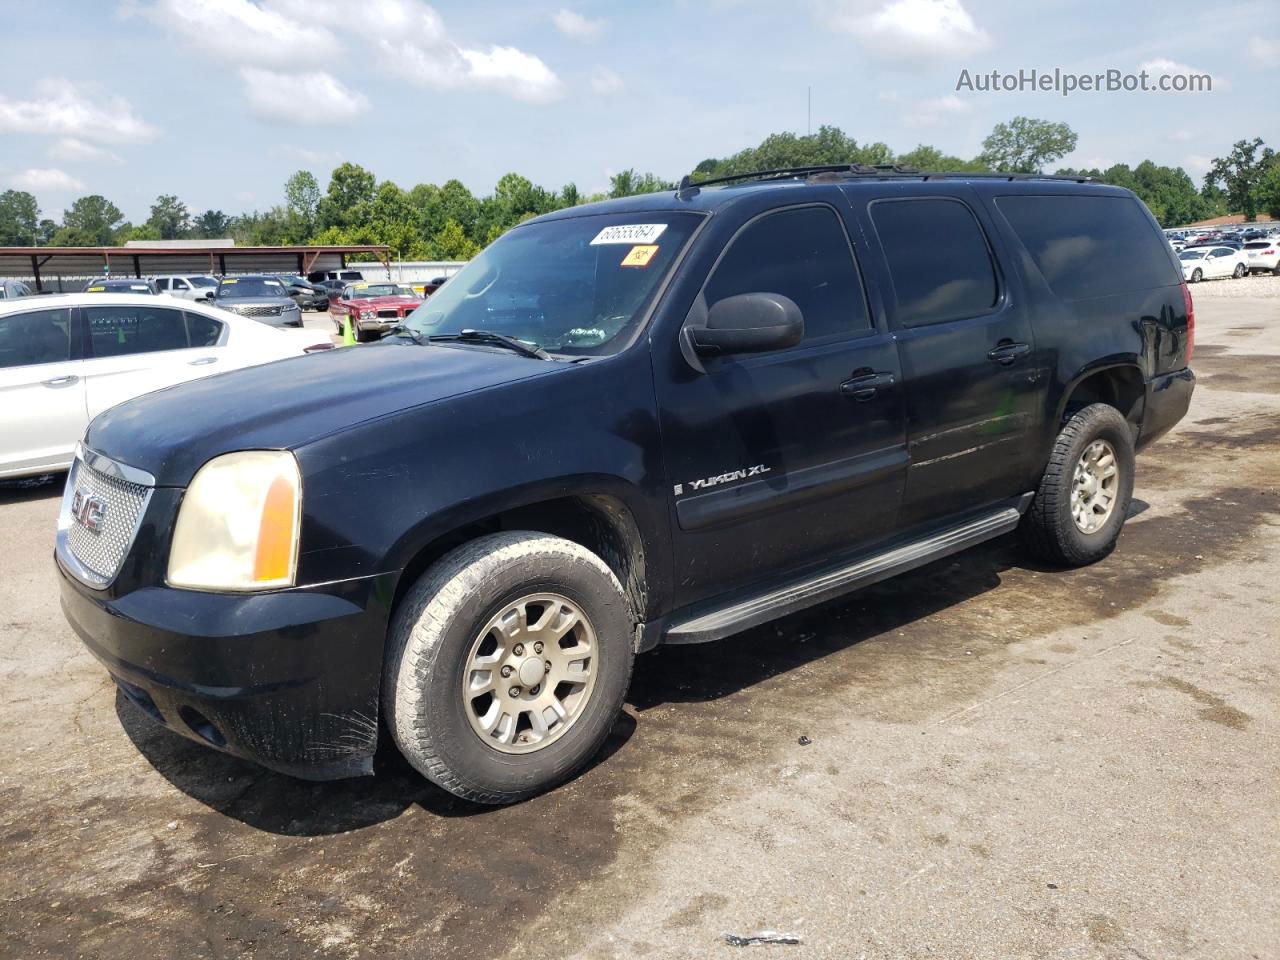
1083, 497
1275, 271
1240, 271
507, 665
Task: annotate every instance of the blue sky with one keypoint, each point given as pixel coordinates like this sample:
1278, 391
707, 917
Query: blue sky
218, 101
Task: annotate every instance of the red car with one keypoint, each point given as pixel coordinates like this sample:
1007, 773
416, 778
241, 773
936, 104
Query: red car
373, 307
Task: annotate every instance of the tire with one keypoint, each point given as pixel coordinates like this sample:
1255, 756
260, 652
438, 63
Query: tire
1239, 272
444, 622
1197, 275
1275, 271
1050, 529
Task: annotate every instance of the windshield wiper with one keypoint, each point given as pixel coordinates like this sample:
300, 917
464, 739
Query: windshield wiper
400, 330
488, 336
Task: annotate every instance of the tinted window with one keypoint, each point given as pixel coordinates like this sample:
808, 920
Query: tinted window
204, 282
938, 258
802, 254
1257, 245
181, 285
1090, 247
202, 331
250, 287
1222, 252
115, 331
162, 283
42, 336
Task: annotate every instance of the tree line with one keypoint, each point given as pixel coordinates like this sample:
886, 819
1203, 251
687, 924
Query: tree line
449, 222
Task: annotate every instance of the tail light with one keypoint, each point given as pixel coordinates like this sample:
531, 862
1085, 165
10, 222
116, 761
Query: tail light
1191, 320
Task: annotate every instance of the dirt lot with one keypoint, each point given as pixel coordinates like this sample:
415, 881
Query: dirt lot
1007, 761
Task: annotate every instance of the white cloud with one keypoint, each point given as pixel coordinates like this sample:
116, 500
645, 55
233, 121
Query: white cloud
59, 109
241, 31
1197, 164
45, 179
603, 80
1164, 67
575, 25
1264, 51
916, 31
930, 113
300, 99
1181, 136
74, 150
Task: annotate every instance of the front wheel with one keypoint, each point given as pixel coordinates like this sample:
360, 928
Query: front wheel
1083, 497
507, 665
1197, 275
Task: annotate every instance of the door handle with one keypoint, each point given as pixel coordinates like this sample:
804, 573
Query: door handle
202, 361
1006, 352
864, 386
61, 381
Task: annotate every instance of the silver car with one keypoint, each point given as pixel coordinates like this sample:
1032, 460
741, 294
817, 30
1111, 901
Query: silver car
260, 298
188, 286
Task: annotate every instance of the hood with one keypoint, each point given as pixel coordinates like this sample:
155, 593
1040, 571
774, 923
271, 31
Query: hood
285, 404
230, 303
392, 301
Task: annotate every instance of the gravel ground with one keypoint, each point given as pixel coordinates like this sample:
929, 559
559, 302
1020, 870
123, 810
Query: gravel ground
1000, 761
1254, 286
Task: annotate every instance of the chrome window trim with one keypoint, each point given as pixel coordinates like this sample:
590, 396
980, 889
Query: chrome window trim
108, 467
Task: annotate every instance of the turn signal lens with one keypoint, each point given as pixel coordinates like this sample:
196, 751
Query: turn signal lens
237, 528
1191, 321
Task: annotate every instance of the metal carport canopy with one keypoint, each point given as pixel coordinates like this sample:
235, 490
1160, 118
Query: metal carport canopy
43, 263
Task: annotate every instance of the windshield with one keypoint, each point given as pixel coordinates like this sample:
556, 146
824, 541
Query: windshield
117, 286
577, 286
1192, 254
203, 282
1257, 245
380, 290
249, 287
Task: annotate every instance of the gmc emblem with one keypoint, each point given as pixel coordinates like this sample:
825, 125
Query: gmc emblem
87, 510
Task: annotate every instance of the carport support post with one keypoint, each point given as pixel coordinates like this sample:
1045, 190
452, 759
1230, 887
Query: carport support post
222, 264
137, 267
35, 272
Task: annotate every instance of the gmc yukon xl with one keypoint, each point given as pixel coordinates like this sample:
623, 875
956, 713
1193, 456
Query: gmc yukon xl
659, 419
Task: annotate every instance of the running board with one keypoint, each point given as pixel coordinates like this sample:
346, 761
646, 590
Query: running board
832, 583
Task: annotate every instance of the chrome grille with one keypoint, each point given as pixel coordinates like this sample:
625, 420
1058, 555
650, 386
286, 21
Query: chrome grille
392, 314
251, 310
95, 556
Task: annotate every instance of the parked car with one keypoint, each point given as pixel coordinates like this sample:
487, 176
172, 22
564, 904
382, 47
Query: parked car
332, 288
660, 419
120, 285
1209, 263
344, 275
12, 289
259, 297
307, 295
66, 358
373, 308
187, 286
1264, 255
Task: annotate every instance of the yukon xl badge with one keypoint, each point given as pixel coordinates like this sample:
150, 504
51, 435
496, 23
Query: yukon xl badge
87, 510
730, 477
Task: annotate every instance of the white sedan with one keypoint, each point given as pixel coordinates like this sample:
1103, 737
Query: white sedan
65, 359
1206, 263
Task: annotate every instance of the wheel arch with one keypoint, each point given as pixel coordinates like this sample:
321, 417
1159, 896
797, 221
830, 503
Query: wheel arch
1119, 384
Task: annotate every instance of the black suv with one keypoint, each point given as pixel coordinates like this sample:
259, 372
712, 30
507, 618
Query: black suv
659, 419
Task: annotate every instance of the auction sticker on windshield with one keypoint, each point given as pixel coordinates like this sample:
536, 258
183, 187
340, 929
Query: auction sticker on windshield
630, 233
639, 256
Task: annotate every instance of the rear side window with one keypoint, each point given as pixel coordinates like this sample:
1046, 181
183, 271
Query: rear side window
42, 336
1089, 247
116, 331
802, 254
162, 283
202, 331
1257, 245
938, 257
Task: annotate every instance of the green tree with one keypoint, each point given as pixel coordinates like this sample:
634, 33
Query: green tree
1026, 145
1269, 190
452, 243
264, 229
456, 203
170, 217
779, 151
394, 221
925, 157
569, 196
347, 201
19, 219
302, 194
92, 221
629, 183
211, 225
45, 231
1241, 172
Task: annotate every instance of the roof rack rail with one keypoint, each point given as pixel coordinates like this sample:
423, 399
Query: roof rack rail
881, 170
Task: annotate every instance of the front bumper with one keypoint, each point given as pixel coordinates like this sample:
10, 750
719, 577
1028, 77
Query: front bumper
378, 323
1168, 399
289, 679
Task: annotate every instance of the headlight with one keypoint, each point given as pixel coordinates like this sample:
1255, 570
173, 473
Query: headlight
368, 314
238, 524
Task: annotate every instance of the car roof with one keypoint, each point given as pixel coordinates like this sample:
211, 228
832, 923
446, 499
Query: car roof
55, 301
707, 199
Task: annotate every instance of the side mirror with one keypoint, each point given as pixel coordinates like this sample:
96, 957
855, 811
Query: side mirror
748, 323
